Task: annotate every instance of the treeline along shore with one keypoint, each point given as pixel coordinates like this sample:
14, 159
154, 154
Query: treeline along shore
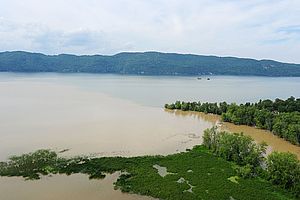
281, 117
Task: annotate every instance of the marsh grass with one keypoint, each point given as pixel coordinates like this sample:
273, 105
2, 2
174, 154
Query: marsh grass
211, 176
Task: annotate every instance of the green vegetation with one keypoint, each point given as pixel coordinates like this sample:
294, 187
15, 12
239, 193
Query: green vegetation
235, 147
282, 117
282, 169
31, 165
209, 171
148, 63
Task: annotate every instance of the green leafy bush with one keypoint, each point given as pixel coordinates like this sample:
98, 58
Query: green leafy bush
284, 170
235, 147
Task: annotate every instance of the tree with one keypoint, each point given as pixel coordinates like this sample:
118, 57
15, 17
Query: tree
235, 147
284, 170
177, 105
282, 117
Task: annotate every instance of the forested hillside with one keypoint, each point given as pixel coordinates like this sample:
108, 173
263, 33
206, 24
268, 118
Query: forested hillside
148, 63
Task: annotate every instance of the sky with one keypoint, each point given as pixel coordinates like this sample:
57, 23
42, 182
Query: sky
261, 29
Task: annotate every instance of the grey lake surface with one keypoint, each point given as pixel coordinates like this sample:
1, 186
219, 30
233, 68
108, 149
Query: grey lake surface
111, 115
158, 90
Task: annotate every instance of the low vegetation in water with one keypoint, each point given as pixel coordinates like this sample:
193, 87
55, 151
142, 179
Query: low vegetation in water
208, 171
282, 117
31, 165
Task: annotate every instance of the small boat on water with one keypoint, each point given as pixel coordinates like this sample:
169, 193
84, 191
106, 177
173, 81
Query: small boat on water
208, 79
199, 78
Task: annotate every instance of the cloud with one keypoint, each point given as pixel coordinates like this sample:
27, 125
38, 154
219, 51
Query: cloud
257, 28
295, 29
40, 38
75, 41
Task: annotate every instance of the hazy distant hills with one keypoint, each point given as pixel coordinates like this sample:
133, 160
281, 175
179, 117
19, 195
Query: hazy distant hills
148, 63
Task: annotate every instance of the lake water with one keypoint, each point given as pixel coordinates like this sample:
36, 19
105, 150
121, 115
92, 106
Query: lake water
116, 115
64, 187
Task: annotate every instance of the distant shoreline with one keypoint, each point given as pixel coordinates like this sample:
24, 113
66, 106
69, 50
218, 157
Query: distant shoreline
146, 64
150, 75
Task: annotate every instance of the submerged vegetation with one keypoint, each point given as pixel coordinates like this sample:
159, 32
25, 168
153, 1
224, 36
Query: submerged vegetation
226, 166
282, 117
31, 165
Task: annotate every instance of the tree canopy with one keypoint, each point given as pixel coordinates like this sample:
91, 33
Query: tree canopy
282, 117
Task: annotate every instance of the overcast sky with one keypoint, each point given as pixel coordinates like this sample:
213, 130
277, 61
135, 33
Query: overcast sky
255, 28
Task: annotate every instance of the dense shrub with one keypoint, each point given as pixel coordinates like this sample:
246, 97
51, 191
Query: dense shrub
245, 171
284, 170
235, 147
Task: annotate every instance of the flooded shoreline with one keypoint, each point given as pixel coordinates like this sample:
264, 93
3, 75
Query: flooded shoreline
104, 116
45, 116
259, 135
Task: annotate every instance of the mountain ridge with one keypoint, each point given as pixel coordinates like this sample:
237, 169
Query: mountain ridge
145, 63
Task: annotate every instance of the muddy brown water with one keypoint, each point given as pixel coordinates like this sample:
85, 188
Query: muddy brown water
38, 114
64, 187
275, 143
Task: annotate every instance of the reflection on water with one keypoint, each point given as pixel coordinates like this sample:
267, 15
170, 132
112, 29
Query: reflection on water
196, 115
62, 187
275, 143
